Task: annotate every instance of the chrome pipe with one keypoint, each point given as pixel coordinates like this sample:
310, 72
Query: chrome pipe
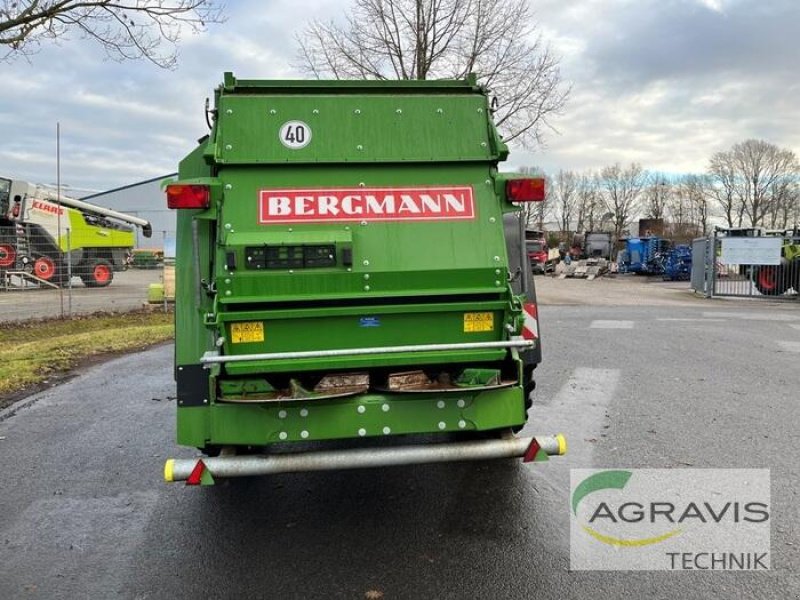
215, 357
364, 458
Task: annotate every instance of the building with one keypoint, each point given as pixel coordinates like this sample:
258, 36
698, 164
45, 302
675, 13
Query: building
146, 200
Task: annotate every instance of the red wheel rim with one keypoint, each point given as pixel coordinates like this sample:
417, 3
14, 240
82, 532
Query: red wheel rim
102, 274
44, 268
7, 255
767, 278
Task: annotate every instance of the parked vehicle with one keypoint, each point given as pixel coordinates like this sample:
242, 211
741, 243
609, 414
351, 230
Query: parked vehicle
644, 256
541, 259
349, 266
44, 236
775, 280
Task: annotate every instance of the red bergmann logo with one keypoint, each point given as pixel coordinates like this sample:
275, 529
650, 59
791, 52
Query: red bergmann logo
365, 204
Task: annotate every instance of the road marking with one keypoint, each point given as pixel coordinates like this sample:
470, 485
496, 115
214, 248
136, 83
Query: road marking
693, 320
578, 410
601, 324
588, 387
790, 346
755, 316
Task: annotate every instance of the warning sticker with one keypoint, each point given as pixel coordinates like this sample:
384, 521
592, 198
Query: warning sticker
247, 333
478, 321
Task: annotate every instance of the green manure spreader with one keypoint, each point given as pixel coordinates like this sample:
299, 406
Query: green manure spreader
352, 286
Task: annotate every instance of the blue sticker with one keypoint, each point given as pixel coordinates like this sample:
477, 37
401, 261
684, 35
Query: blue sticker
369, 322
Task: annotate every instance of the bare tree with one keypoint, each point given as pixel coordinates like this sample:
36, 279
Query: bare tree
588, 202
785, 204
753, 178
621, 189
441, 39
690, 206
723, 174
126, 29
656, 195
565, 198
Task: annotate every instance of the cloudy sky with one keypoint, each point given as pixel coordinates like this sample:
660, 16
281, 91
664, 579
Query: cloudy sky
662, 82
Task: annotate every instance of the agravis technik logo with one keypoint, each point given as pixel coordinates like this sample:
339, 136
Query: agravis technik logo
674, 519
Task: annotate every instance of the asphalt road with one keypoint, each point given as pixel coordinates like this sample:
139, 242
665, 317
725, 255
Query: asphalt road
128, 291
84, 514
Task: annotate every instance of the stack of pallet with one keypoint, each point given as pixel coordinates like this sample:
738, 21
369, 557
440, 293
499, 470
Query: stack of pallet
587, 268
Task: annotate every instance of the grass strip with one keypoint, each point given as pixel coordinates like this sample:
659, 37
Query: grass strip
33, 351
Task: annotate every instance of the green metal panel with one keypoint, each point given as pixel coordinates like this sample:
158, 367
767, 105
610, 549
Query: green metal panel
261, 424
384, 227
84, 236
355, 128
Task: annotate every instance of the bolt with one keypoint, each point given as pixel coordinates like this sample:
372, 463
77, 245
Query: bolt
273, 112
227, 225
361, 409
386, 431
362, 432
462, 424
228, 186
440, 404
315, 111
385, 408
461, 404
496, 259
365, 263
359, 147
439, 110
228, 147
399, 111
366, 276
303, 412
304, 434
281, 414
492, 220
357, 111
497, 282
442, 425
483, 144
283, 435
229, 112
227, 292
366, 288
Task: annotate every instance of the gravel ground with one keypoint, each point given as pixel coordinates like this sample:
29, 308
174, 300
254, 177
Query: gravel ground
630, 290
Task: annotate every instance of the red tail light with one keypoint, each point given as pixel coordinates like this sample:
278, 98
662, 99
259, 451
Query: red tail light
525, 190
187, 196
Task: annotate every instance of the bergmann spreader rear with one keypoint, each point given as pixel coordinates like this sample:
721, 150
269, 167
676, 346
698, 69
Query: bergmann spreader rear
350, 266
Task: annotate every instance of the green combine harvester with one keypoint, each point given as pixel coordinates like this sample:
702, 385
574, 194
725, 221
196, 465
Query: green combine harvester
350, 266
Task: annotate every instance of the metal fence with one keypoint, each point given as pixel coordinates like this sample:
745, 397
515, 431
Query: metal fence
40, 280
747, 263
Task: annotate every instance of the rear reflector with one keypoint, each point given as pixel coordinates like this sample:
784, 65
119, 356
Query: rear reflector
187, 196
525, 190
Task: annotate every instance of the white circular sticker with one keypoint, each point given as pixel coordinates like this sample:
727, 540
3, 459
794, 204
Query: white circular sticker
295, 134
